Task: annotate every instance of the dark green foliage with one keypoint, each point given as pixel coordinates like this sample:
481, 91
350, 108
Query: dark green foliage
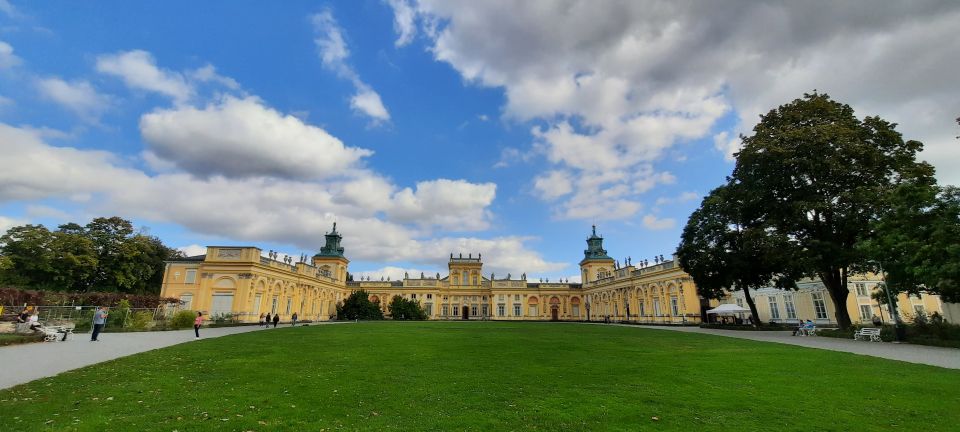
359, 307
724, 248
817, 175
404, 309
933, 331
104, 255
917, 238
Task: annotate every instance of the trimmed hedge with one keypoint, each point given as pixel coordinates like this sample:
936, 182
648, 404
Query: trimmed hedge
10, 296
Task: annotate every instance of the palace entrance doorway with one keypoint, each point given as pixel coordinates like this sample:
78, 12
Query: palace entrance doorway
555, 314
466, 312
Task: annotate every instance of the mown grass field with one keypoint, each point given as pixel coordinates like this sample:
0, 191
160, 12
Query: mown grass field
446, 376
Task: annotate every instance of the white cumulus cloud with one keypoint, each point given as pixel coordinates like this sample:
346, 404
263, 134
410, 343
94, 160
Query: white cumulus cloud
78, 96
139, 70
244, 138
334, 54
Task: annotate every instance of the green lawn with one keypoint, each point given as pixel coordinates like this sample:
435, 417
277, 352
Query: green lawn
487, 376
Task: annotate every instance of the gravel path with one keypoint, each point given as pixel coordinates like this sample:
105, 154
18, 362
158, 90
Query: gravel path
27, 362
929, 355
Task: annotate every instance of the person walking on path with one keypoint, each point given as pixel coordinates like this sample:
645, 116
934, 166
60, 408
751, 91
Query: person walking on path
197, 323
293, 320
261, 320
276, 320
99, 320
266, 323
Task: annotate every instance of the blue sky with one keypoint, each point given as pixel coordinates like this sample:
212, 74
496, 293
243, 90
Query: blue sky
428, 128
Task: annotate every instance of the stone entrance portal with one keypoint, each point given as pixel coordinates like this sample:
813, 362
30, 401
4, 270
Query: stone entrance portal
555, 313
466, 312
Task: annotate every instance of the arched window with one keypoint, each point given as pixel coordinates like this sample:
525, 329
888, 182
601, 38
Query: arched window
464, 280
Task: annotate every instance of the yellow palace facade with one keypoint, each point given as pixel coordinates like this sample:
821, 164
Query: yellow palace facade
239, 281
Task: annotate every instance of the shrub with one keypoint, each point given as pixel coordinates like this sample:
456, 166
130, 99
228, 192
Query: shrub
403, 309
121, 313
140, 320
84, 322
183, 319
359, 306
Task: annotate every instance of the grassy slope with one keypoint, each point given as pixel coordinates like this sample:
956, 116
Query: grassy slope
487, 376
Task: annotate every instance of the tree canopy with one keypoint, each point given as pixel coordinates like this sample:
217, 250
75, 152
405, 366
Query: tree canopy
104, 255
816, 174
723, 248
406, 309
359, 306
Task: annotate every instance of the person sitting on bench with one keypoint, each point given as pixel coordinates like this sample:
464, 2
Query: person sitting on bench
799, 329
34, 320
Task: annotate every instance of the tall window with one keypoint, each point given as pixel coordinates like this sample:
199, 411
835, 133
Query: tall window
274, 304
428, 308
516, 309
819, 306
641, 309
289, 305
866, 312
186, 300
774, 308
575, 310
656, 307
446, 310
475, 280
464, 280
501, 309
533, 310
674, 306
473, 310
740, 302
861, 289
788, 304
483, 310
456, 310
191, 276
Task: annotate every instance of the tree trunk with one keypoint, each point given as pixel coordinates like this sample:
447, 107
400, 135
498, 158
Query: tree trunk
835, 280
753, 307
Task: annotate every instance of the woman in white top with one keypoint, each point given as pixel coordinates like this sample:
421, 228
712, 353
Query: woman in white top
34, 320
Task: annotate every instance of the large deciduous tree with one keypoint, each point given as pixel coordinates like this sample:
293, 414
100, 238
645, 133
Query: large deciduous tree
917, 239
817, 174
404, 309
359, 306
104, 255
723, 248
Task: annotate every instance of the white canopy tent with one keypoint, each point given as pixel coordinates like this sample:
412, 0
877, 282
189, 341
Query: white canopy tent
727, 309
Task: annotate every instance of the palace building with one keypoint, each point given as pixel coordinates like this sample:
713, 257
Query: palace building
239, 281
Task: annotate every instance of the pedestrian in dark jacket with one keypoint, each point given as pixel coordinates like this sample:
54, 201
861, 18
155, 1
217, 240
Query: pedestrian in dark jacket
293, 320
276, 320
266, 323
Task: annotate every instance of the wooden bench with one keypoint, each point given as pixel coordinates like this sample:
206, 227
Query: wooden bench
868, 333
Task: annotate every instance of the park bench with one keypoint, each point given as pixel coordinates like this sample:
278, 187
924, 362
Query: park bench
867, 333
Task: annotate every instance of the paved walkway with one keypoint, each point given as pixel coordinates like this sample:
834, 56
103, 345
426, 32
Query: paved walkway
935, 356
27, 362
